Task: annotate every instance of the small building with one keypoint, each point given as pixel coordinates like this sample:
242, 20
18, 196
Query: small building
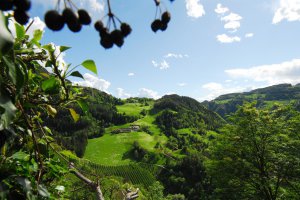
135, 127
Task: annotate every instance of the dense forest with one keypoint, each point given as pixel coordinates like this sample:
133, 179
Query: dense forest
62, 141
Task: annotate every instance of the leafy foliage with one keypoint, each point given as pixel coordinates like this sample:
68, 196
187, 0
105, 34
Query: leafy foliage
257, 156
33, 85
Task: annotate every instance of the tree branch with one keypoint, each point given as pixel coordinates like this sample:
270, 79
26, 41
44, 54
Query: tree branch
92, 184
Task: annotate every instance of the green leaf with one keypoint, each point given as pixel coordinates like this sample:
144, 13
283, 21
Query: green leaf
51, 86
20, 31
43, 191
74, 115
20, 155
25, 183
37, 35
20, 76
90, 65
8, 110
64, 48
51, 111
49, 48
60, 188
12, 69
48, 130
6, 39
83, 105
77, 74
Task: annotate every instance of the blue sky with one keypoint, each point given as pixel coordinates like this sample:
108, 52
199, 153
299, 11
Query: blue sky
210, 47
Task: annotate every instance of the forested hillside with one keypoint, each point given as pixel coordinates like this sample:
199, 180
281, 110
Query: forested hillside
265, 97
102, 113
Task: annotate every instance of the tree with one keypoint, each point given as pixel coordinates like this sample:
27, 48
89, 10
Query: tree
188, 177
257, 156
33, 84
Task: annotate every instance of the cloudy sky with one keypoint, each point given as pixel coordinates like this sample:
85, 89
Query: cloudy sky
210, 48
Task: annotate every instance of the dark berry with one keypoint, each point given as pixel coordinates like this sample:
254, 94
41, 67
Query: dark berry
6, 5
166, 17
69, 16
106, 42
157, 2
74, 26
156, 25
125, 29
99, 25
164, 26
117, 37
54, 20
23, 4
103, 32
21, 16
84, 17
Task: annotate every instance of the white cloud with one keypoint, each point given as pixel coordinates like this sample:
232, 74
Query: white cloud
220, 9
231, 17
162, 65
173, 55
94, 82
194, 8
232, 21
234, 25
144, 92
131, 74
182, 84
122, 94
154, 63
93, 5
38, 24
249, 35
217, 89
287, 10
212, 86
224, 38
285, 72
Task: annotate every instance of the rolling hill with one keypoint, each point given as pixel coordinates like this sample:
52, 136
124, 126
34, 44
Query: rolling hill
265, 97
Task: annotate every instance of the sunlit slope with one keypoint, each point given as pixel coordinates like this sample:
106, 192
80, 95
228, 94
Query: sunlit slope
114, 149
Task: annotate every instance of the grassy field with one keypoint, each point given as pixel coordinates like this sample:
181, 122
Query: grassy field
112, 149
133, 109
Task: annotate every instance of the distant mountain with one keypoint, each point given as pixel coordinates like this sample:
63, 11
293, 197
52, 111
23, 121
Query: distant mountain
265, 97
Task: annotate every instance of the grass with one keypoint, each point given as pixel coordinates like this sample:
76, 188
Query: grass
132, 109
112, 149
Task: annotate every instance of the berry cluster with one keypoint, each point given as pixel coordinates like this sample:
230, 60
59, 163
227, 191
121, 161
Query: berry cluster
56, 21
20, 8
162, 22
75, 18
116, 36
